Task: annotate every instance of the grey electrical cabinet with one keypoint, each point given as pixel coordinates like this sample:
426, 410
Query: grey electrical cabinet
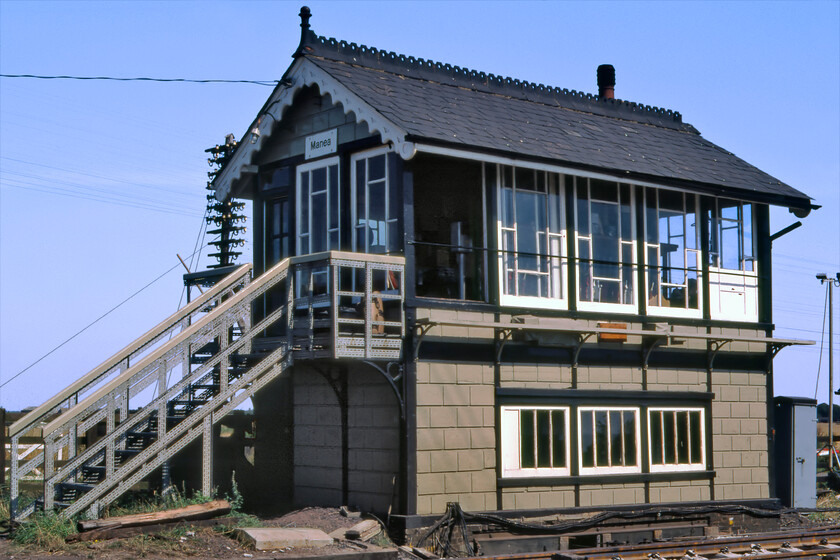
796, 451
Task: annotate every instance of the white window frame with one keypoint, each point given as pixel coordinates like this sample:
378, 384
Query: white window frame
308, 168
608, 469
632, 243
733, 294
510, 439
555, 243
695, 463
662, 310
388, 180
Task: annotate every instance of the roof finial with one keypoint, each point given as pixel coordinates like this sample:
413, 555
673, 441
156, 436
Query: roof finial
305, 32
305, 14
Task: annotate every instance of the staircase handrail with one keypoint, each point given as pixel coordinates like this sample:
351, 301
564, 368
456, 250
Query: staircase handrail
95, 375
63, 422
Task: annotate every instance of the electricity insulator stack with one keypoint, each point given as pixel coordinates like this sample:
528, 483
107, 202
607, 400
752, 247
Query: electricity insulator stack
224, 215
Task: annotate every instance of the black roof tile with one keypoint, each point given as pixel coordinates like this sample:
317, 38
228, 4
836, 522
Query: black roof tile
439, 103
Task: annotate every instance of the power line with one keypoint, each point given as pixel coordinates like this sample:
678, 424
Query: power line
27, 368
269, 83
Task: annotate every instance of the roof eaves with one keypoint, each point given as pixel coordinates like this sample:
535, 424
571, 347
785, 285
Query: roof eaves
302, 73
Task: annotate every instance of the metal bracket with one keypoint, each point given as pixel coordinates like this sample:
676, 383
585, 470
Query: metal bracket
424, 329
582, 338
392, 381
716, 346
507, 334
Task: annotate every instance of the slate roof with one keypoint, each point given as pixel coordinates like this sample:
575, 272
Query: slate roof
445, 105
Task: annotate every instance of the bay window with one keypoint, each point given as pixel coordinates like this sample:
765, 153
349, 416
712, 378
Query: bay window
531, 237
672, 253
605, 243
376, 204
733, 280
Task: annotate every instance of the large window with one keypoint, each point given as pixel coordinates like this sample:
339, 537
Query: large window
376, 206
605, 242
733, 281
319, 208
672, 253
535, 441
609, 440
676, 438
532, 238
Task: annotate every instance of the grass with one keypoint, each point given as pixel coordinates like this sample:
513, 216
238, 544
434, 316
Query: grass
45, 530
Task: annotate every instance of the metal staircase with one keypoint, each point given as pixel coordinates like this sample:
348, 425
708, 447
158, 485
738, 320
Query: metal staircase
337, 305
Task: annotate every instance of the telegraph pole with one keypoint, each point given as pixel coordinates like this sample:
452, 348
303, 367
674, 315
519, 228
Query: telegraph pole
823, 278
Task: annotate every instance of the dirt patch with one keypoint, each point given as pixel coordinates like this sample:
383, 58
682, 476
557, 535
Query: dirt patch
198, 543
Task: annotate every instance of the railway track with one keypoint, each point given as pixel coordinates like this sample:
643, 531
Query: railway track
822, 543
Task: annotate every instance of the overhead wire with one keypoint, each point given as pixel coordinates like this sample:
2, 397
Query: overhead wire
269, 83
822, 339
89, 325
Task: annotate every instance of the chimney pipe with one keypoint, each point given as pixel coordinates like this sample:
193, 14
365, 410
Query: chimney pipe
606, 81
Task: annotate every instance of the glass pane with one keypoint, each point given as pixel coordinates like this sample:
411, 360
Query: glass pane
730, 241
585, 271
651, 225
543, 439
696, 439
394, 201
526, 438
603, 190
629, 439
507, 176
525, 179
602, 457
394, 239
554, 207
376, 168
587, 443
669, 425
333, 199
682, 438
626, 221
303, 226
319, 225
507, 208
275, 218
582, 209
616, 437
319, 179
526, 234
653, 277
656, 438
671, 200
729, 210
558, 429
691, 221
605, 240
627, 291
748, 238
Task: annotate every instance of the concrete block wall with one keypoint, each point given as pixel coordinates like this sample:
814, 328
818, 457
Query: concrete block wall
456, 427
317, 440
739, 432
373, 419
456, 439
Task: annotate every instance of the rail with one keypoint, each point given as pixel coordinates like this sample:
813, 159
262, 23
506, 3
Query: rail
337, 305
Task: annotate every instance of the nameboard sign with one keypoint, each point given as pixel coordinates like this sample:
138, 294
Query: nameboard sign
321, 144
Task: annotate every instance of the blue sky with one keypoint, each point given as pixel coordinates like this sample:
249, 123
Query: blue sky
102, 183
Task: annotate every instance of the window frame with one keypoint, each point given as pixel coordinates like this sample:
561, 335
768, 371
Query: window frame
728, 281
391, 222
677, 466
647, 246
309, 167
632, 243
510, 432
557, 265
608, 469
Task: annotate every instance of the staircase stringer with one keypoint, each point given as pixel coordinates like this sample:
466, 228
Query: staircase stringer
218, 326
153, 456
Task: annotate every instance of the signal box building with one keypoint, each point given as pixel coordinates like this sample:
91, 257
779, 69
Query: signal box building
509, 295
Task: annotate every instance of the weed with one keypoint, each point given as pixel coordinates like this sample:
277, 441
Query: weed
46, 530
235, 497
